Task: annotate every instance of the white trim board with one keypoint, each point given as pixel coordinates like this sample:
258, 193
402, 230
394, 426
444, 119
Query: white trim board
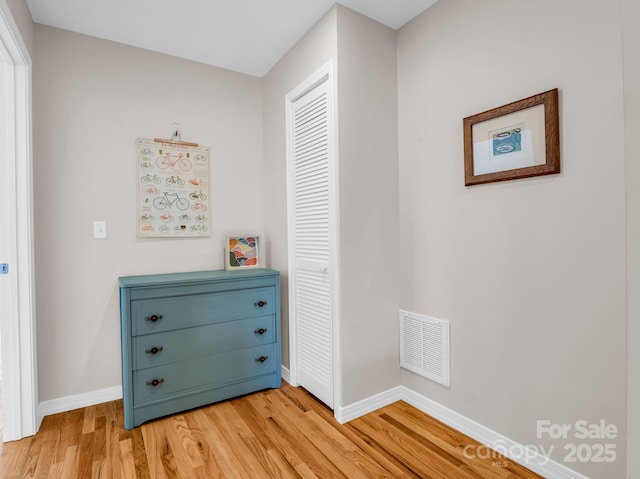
69, 403
527, 457
17, 310
285, 373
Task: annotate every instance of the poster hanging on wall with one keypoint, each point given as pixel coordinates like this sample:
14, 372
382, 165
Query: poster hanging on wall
173, 193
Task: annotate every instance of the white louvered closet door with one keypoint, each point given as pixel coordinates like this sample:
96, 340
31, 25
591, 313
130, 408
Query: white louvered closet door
311, 197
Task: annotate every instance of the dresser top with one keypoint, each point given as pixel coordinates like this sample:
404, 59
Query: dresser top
194, 277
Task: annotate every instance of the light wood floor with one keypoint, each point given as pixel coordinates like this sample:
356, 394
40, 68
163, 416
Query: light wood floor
277, 433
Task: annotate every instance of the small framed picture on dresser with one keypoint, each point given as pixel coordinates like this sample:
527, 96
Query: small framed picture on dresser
243, 252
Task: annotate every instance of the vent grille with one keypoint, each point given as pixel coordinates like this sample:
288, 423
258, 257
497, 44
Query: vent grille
424, 346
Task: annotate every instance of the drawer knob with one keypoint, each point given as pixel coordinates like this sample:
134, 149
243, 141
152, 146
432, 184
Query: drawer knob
155, 382
261, 304
153, 318
260, 331
262, 359
154, 350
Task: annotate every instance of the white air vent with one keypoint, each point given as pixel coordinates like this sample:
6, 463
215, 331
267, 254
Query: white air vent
424, 346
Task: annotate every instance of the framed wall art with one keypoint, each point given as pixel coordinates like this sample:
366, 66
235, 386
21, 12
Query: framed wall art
518, 140
243, 252
173, 193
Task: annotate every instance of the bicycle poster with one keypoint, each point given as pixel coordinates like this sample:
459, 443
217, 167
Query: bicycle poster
173, 193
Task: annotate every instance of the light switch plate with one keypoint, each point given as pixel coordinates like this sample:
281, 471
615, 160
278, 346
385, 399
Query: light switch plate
99, 229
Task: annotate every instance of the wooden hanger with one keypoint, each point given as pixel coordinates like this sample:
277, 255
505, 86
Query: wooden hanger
175, 138
175, 142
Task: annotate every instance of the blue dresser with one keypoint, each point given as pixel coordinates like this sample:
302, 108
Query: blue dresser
190, 339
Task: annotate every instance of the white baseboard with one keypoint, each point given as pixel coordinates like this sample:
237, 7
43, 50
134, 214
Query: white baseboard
354, 411
523, 455
286, 374
69, 403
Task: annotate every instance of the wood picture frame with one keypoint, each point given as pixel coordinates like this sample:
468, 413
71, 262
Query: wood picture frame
243, 252
517, 140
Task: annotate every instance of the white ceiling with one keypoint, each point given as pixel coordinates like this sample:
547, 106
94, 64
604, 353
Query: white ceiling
247, 36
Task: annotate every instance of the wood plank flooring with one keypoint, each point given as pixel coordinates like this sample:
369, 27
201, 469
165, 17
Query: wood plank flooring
280, 433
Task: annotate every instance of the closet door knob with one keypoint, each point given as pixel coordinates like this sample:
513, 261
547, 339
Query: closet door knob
260, 331
262, 359
153, 318
154, 350
155, 382
260, 304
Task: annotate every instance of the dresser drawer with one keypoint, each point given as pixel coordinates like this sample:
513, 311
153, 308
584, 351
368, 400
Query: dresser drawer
157, 349
165, 314
156, 383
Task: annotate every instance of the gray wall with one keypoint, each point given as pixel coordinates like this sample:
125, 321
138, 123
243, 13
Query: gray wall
530, 273
368, 196
92, 98
368, 183
317, 47
631, 49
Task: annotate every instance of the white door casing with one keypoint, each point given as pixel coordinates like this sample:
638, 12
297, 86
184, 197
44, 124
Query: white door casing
313, 233
17, 310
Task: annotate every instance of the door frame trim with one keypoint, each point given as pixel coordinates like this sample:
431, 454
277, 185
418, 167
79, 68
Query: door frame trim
326, 73
17, 314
